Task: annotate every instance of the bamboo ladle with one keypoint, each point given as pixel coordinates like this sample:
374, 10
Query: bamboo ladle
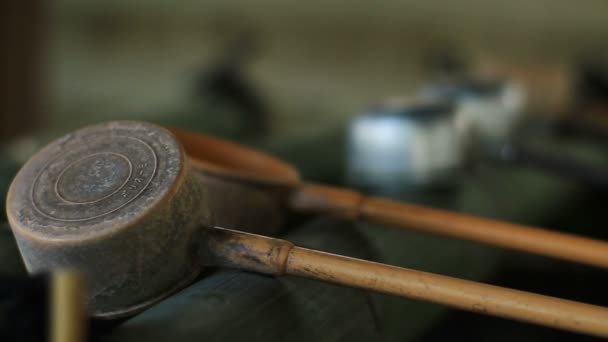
219, 159
119, 202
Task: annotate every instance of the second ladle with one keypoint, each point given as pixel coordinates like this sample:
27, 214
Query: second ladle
233, 163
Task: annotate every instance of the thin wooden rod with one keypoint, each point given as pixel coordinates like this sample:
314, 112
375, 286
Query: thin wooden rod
452, 292
528, 239
279, 257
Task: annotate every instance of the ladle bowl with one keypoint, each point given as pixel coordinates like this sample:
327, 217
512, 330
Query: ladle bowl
249, 188
117, 200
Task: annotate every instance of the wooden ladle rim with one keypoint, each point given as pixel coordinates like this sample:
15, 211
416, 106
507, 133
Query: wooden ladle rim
224, 159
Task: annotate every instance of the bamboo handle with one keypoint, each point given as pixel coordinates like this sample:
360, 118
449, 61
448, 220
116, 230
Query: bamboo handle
533, 240
279, 257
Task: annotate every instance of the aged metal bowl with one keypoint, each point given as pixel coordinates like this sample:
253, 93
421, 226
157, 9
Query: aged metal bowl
117, 200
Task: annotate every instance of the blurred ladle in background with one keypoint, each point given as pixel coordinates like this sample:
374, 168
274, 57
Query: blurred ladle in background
230, 162
488, 112
119, 202
495, 95
403, 145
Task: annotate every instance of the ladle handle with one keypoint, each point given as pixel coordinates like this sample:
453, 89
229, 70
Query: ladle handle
350, 204
279, 257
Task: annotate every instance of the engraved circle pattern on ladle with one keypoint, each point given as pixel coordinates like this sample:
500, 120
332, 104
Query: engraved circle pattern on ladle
94, 180
104, 169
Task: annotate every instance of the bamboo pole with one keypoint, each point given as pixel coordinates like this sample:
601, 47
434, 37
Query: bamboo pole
352, 205
256, 253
